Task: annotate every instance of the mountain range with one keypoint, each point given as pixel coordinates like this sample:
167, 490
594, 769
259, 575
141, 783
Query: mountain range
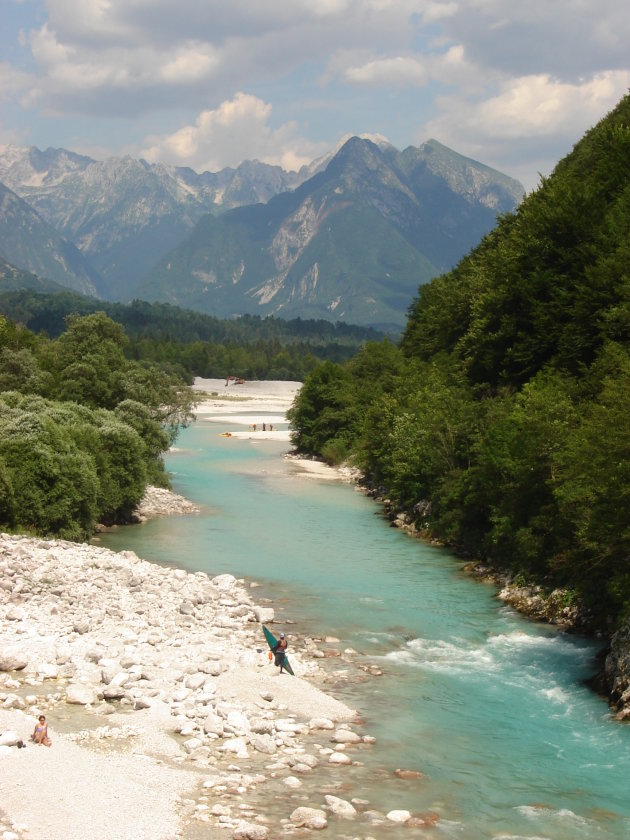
350, 237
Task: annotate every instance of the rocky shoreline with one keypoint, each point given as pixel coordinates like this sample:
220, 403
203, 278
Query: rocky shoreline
167, 718
555, 606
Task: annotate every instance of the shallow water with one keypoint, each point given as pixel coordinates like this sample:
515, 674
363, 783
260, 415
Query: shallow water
490, 707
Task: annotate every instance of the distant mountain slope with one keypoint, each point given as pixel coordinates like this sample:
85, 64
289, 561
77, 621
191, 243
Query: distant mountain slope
352, 243
30, 243
14, 279
124, 214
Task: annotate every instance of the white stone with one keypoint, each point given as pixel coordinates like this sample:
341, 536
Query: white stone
195, 681
339, 758
213, 725
341, 807
264, 744
9, 738
292, 782
309, 818
236, 745
346, 736
250, 831
12, 661
80, 695
264, 615
47, 671
321, 723
400, 816
192, 744
239, 722
13, 701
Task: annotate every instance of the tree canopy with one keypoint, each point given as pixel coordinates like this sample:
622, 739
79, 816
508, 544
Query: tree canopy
502, 423
82, 428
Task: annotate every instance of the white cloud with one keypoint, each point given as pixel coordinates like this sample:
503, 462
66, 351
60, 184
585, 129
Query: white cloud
237, 130
532, 119
390, 72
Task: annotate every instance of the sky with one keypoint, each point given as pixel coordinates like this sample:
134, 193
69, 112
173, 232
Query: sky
513, 84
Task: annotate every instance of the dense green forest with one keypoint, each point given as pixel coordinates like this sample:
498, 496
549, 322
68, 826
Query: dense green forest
250, 347
82, 428
501, 422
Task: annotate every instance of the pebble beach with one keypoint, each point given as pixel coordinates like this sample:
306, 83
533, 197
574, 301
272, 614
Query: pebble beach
166, 716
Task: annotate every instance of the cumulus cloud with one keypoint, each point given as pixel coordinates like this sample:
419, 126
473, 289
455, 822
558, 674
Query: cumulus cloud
530, 116
237, 130
489, 77
390, 72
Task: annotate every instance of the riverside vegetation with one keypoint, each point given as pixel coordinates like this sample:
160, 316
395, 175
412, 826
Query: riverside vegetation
501, 423
249, 346
82, 428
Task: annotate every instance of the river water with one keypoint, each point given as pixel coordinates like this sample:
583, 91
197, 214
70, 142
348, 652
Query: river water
490, 707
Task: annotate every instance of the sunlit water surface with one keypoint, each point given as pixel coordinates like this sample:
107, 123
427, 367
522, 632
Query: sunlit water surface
490, 707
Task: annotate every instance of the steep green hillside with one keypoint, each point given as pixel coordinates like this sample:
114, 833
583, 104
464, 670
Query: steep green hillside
502, 423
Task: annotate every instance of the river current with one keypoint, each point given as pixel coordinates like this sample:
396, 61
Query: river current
492, 708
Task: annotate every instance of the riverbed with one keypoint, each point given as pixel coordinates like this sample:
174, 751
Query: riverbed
489, 712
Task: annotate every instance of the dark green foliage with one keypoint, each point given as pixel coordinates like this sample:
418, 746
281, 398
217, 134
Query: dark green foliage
86, 456
198, 344
506, 428
325, 413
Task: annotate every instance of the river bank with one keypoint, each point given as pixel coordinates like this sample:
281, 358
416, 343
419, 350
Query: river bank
182, 713
167, 718
555, 606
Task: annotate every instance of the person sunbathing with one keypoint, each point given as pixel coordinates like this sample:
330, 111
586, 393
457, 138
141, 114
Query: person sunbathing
40, 733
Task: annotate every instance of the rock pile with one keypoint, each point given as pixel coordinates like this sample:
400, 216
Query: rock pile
173, 666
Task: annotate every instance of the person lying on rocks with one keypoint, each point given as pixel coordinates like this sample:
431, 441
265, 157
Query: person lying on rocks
40, 733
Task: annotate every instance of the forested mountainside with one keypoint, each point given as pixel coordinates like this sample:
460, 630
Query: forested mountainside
501, 423
250, 347
123, 214
366, 226
351, 243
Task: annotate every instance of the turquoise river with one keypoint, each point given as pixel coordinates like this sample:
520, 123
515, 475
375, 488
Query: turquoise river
492, 708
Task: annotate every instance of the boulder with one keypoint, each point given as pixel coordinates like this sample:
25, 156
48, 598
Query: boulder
9, 738
13, 701
114, 692
399, 816
264, 615
304, 817
339, 758
250, 831
264, 744
236, 745
213, 725
321, 723
341, 807
408, 774
80, 695
346, 736
12, 661
195, 681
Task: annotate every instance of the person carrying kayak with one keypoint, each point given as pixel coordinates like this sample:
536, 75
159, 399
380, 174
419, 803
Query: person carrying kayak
279, 650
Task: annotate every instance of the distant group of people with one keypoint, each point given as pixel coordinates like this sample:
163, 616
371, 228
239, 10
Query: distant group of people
264, 427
